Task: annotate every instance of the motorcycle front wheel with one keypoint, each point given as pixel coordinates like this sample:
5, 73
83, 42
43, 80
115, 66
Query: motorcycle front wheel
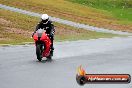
38, 52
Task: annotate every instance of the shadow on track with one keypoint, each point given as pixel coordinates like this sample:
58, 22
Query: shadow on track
45, 61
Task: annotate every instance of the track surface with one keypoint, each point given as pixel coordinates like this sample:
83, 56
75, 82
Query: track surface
20, 69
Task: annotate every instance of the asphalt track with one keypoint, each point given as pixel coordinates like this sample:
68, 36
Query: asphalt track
20, 69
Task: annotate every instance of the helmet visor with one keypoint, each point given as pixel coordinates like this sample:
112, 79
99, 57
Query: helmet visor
45, 21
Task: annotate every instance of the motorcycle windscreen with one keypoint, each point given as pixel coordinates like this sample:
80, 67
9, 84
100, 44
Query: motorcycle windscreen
40, 32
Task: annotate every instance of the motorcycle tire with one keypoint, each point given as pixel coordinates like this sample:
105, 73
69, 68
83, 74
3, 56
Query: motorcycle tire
49, 58
38, 52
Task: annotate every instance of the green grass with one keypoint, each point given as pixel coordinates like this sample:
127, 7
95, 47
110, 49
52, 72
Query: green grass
121, 9
17, 21
86, 14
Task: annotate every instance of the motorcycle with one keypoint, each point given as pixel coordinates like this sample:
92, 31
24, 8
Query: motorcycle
43, 45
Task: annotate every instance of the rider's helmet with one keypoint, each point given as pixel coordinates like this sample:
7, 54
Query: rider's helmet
45, 18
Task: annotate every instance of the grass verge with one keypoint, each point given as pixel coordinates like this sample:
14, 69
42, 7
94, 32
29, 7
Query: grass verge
121, 9
74, 12
16, 28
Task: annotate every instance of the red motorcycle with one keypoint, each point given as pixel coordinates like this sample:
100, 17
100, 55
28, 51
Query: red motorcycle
43, 45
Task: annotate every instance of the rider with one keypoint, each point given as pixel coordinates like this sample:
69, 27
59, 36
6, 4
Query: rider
47, 25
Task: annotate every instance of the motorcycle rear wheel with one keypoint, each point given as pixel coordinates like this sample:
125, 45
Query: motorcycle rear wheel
49, 57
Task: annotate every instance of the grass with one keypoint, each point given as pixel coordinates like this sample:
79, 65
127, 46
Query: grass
16, 28
121, 9
78, 12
